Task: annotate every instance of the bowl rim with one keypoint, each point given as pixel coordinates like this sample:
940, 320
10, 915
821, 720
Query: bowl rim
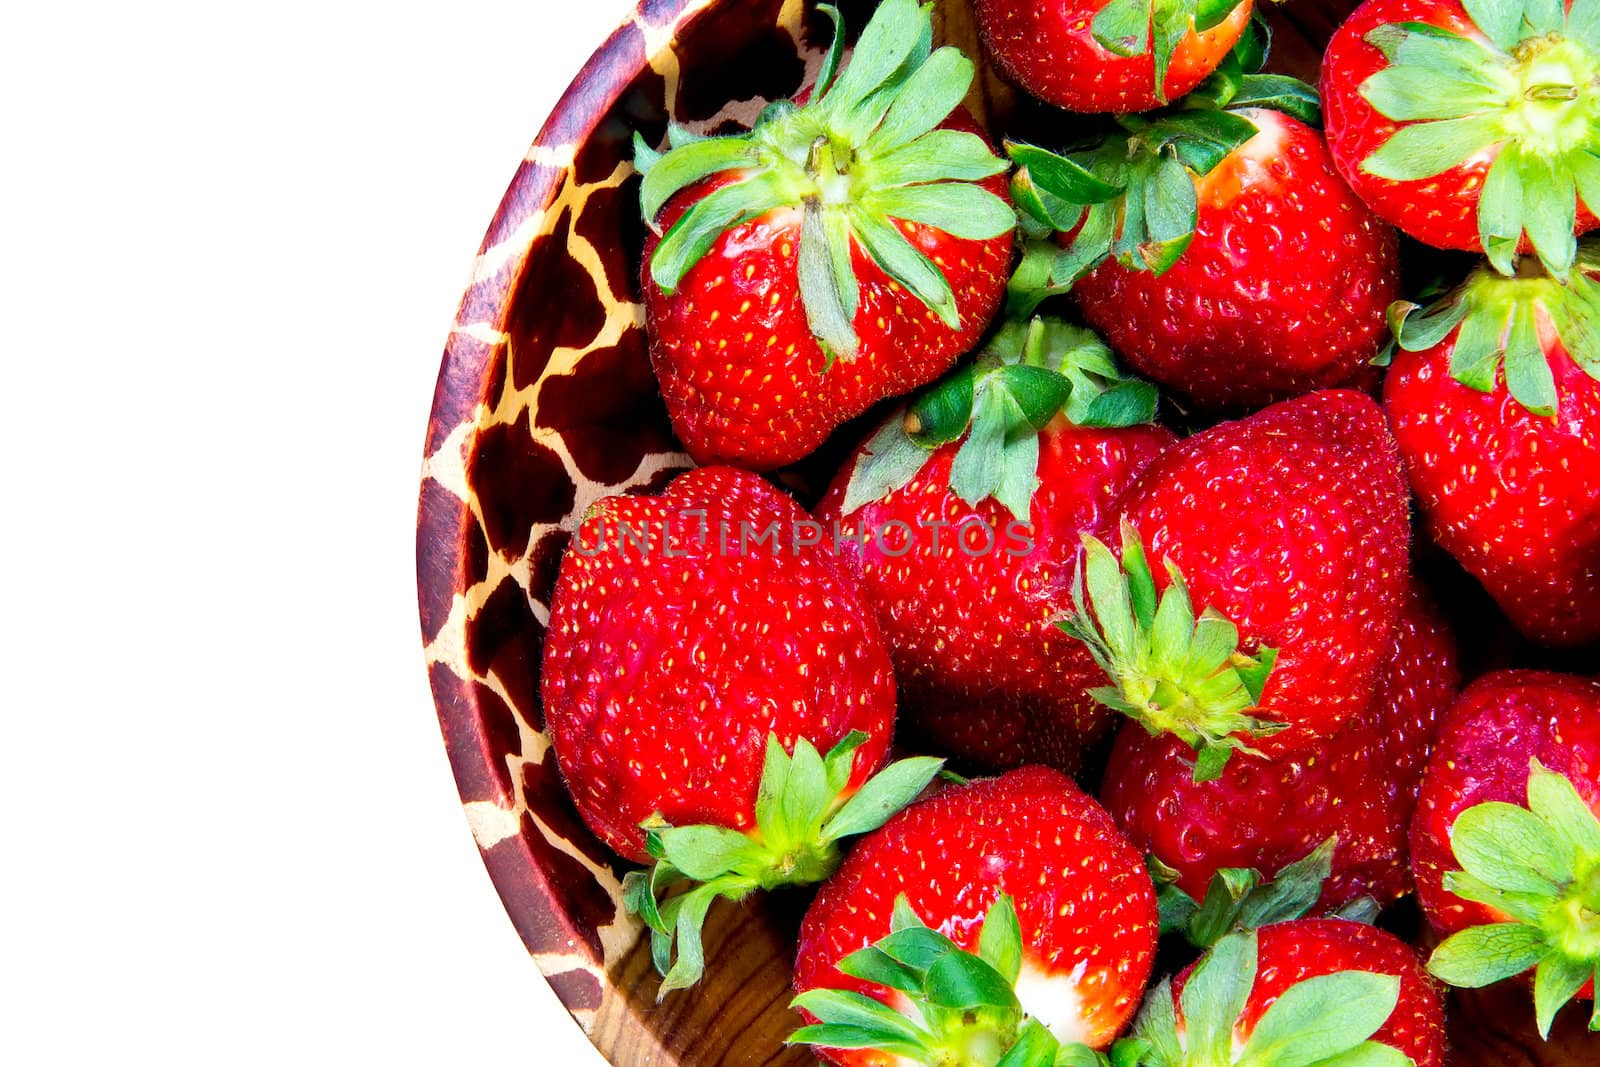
476, 336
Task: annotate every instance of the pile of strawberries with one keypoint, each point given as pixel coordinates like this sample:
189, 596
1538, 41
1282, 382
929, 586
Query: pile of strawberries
1028, 569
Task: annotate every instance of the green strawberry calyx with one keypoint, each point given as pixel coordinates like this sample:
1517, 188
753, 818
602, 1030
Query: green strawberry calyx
1328, 1020
1526, 87
865, 152
804, 809
1155, 28
1169, 671
957, 1008
1133, 197
1029, 374
1497, 322
1539, 866
1241, 898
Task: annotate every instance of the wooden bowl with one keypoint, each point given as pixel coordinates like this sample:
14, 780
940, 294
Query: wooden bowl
546, 403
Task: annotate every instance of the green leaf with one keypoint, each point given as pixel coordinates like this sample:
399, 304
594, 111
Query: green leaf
841, 761
1171, 212
904, 917
1583, 22
1127, 403
1019, 474
1370, 1054
962, 981
644, 157
904, 263
1528, 375
1500, 210
1123, 27
1291, 96
1426, 149
682, 167
692, 236
1421, 330
1293, 892
1217, 991
1527, 907
925, 100
1040, 394
1413, 93
943, 413
1556, 980
1482, 955
1061, 176
841, 1008
834, 56
805, 796
888, 462
1510, 848
1552, 798
872, 965
975, 472
691, 963
1321, 1017
1210, 760
1209, 14
1479, 345
1157, 1025
970, 212
917, 947
774, 786
1500, 20
1203, 139
1171, 22
707, 852
1035, 1047
1544, 16
1228, 889
828, 286
943, 155
849, 1037
888, 40
1550, 211
1000, 940
882, 796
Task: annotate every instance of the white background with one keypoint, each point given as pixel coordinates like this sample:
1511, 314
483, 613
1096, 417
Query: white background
232, 238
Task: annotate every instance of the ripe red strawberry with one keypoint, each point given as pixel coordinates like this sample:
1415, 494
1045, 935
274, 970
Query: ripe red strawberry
1494, 396
966, 565
1287, 533
1099, 56
1470, 134
841, 252
1230, 262
1359, 789
693, 675
1074, 960
1506, 841
1308, 991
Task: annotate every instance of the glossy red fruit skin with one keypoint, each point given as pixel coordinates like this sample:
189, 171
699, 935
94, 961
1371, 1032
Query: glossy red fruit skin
1293, 524
663, 676
1082, 895
745, 381
1501, 722
1513, 496
1048, 48
982, 670
1441, 211
1282, 292
1265, 814
1291, 952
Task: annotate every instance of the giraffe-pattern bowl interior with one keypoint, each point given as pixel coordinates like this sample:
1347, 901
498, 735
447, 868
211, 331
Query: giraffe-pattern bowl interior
545, 404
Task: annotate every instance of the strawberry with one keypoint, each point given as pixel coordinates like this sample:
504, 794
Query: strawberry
1494, 396
841, 252
973, 525
1229, 262
1506, 841
1358, 790
1102, 56
701, 654
1470, 125
1323, 991
1288, 531
1064, 956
